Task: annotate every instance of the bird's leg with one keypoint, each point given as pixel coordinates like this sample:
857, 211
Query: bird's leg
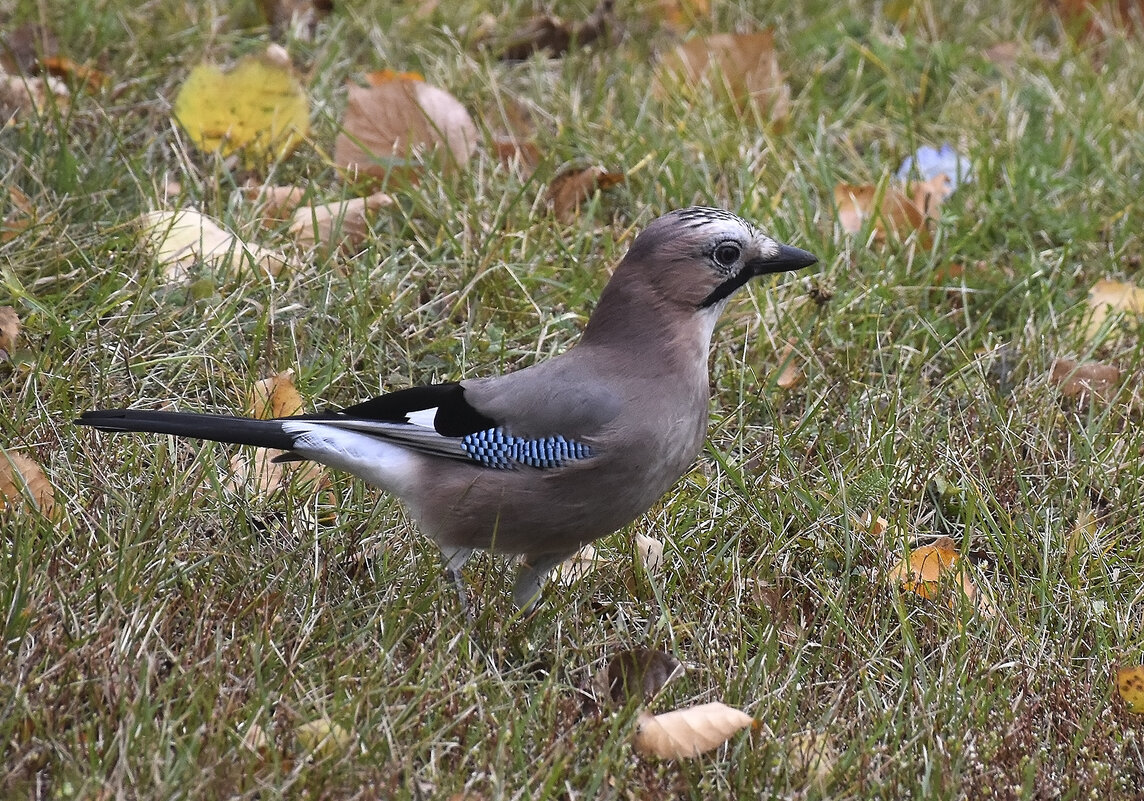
455, 559
530, 577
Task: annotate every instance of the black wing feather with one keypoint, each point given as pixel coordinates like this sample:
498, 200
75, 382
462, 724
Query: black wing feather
454, 418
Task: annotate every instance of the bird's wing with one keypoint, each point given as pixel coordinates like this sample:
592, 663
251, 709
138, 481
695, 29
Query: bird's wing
471, 421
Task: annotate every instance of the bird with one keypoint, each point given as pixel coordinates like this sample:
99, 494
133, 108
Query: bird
538, 462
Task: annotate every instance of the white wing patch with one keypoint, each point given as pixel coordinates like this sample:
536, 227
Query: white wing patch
422, 417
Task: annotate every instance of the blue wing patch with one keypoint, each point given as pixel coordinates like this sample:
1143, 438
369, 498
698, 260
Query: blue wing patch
493, 448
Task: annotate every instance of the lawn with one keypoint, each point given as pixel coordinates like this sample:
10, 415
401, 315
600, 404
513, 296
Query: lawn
171, 632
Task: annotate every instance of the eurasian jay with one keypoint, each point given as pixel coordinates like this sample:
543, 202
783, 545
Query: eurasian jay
540, 461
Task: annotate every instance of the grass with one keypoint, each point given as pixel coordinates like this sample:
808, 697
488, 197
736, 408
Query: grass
164, 615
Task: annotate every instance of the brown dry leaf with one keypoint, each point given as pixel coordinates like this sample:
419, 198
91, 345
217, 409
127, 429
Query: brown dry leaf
1085, 380
573, 186
511, 150
20, 96
681, 16
896, 213
1096, 19
743, 66
791, 375
1003, 55
77, 74
301, 17
929, 195
687, 733
553, 36
930, 567
636, 673
23, 483
20, 218
578, 565
9, 331
278, 202
271, 397
24, 46
1130, 685
391, 129
651, 552
344, 223
181, 239
875, 525
1112, 297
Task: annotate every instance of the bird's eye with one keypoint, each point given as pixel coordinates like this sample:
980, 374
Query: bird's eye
727, 254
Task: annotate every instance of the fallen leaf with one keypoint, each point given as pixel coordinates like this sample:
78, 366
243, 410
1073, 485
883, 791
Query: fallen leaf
344, 223
637, 673
811, 755
77, 74
651, 552
181, 239
24, 46
1109, 298
278, 202
892, 211
513, 151
577, 566
258, 109
300, 17
23, 484
255, 739
743, 67
930, 567
1130, 685
681, 16
1003, 55
573, 186
9, 331
324, 739
20, 95
275, 396
1085, 380
398, 125
687, 733
19, 218
928, 195
553, 37
791, 374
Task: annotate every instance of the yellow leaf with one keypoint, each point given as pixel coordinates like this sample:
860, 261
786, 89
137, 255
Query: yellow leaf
183, 238
324, 739
258, 108
929, 567
687, 733
1112, 297
1130, 685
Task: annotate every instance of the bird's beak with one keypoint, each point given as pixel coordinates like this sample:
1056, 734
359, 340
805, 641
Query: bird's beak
788, 258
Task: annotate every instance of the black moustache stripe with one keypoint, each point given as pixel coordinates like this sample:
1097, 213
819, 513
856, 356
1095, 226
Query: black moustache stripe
727, 287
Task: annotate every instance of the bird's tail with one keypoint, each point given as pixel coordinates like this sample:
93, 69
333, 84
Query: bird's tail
214, 427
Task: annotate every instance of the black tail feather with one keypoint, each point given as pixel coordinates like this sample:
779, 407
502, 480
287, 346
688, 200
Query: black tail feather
214, 427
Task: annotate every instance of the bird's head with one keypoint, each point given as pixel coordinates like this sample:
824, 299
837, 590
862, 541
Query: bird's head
698, 256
